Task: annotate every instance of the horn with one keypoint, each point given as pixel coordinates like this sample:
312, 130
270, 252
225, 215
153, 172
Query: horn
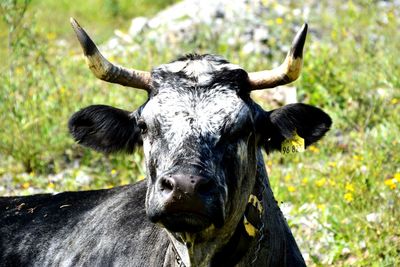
288, 71
105, 70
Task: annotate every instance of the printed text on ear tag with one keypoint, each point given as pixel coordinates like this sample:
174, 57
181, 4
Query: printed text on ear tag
293, 145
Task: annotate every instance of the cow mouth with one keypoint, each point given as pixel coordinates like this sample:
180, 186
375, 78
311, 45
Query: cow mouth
185, 222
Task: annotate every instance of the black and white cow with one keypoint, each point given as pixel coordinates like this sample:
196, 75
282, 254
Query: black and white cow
206, 201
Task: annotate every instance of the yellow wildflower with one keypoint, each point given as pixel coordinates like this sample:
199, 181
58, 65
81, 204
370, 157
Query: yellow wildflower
279, 21
62, 90
124, 181
349, 187
391, 183
291, 188
287, 177
50, 185
19, 70
348, 197
51, 36
358, 158
332, 182
313, 149
321, 182
394, 101
397, 176
113, 172
333, 34
304, 181
26, 185
321, 207
332, 164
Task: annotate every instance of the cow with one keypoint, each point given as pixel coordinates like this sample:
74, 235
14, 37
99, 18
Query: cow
206, 201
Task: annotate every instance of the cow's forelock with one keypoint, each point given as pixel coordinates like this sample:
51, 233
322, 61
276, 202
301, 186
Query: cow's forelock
197, 71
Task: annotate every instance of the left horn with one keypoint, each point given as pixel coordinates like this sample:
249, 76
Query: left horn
105, 70
288, 71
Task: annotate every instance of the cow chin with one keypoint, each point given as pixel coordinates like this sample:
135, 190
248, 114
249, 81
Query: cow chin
185, 222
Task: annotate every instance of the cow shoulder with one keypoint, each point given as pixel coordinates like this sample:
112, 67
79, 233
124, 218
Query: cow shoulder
66, 228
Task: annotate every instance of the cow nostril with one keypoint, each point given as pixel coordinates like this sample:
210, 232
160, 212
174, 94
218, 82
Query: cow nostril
166, 185
204, 187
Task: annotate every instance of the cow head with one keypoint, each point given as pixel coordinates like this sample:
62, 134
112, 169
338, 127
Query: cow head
200, 131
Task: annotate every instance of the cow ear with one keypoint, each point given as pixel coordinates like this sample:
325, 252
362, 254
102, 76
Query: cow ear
104, 128
308, 122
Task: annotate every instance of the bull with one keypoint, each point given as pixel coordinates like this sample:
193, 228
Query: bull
206, 201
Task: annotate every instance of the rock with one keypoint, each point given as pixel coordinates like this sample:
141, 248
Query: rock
123, 36
137, 26
82, 178
373, 217
238, 24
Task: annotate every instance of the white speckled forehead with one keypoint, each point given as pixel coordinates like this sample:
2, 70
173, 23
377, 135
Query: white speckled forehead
197, 96
203, 112
202, 69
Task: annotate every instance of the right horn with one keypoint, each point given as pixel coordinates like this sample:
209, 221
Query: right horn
287, 72
105, 70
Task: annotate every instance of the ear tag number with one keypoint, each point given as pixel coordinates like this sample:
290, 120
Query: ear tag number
293, 145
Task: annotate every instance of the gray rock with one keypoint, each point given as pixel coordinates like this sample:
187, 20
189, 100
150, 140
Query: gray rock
137, 26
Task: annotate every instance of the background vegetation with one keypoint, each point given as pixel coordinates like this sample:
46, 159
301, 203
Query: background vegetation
341, 196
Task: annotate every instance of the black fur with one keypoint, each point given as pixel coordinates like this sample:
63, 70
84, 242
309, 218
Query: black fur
104, 128
236, 79
46, 230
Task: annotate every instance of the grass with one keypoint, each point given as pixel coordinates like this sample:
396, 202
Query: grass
342, 194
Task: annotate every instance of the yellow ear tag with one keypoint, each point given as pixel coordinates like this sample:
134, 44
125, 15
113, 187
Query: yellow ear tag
293, 145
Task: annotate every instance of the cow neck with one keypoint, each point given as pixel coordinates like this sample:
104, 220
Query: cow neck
249, 233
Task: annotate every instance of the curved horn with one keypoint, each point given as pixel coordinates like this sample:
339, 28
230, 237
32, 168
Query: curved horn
105, 70
288, 71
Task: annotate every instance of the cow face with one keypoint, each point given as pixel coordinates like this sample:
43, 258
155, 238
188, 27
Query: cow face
199, 142
200, 132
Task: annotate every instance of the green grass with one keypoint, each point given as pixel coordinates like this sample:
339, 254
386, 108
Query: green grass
351, 70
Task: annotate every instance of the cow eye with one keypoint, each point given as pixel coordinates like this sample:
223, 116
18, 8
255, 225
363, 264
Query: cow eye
142, 126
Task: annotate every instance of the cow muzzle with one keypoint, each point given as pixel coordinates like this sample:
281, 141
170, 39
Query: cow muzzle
188, 203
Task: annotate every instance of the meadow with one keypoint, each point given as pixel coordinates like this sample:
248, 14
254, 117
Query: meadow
341, 196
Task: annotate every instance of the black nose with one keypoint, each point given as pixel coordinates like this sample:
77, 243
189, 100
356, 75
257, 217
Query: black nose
185, 193
186, 184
